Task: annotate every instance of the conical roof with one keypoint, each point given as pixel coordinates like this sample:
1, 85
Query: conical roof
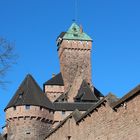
75, 32
29, 93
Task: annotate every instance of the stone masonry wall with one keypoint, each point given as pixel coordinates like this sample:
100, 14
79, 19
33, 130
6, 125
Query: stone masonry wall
53, 91
28, 124
104, 124
75, 57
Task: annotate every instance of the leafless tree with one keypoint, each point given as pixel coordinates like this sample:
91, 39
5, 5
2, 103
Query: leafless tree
7, 58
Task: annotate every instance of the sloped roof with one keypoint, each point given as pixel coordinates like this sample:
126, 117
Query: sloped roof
127, 97
66, 106
98, 93
62, 97
113, 101
56, 80
85, 93
76, 33
29, 93
110, 98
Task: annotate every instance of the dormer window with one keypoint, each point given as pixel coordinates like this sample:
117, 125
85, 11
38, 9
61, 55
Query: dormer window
20, 95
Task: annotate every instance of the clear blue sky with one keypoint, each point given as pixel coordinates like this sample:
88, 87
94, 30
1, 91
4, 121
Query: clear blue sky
33, 26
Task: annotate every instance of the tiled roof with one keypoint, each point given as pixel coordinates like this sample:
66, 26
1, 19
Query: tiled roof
127, 97
29, 93
113, 101
85, 93
59, 38
62, 97
76, 33
98, 93
82, 106
56, 80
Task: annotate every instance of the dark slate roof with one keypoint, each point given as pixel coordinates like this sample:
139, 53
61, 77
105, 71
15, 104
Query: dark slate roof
127, 97
60, 38
61, 35
62, 97
113, 101
75, 114
85, 93
91, 109
56, 80
81, 106
29, 93
111, 98
98, 93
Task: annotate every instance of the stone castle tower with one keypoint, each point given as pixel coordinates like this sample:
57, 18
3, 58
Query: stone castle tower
29, 114
74, 47
32, 113
74, 50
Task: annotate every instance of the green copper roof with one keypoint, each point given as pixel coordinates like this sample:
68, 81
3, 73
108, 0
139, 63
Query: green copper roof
76, 33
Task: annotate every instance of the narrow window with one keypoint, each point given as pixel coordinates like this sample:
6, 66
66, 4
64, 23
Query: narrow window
63, 112
69, 137
27, 107
14, 108
41, 108
28, 133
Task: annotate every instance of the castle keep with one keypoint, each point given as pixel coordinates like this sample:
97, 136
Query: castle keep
70, 107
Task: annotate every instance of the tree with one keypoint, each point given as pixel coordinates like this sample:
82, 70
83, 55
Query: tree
7, 58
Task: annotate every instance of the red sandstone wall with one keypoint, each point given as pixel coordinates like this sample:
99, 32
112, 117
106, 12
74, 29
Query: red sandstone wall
53, 91
105, 124
31, 124
75, 57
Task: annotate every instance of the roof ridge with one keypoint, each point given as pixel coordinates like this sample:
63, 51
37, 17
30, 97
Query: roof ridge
56, 80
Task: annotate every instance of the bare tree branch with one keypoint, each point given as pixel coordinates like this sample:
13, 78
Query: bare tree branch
7, 58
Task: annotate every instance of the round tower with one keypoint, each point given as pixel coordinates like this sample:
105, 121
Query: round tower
29, 114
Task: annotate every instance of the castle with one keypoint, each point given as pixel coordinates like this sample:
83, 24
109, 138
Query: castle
70, 107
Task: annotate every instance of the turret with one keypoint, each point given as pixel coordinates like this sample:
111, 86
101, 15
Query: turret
29, 114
